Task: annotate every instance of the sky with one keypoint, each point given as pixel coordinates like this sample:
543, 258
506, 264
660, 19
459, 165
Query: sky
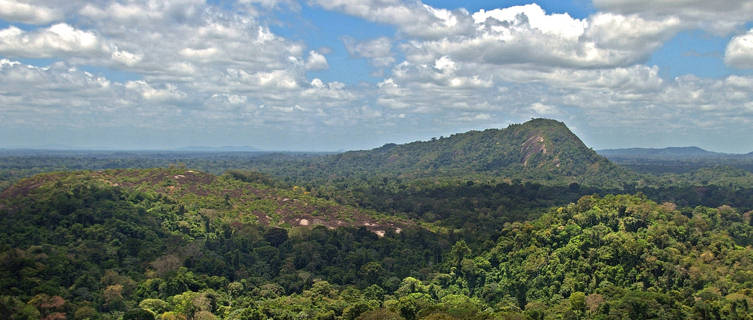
326, 75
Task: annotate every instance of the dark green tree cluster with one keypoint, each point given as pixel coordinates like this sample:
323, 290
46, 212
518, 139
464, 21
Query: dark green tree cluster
624, 257
86, 249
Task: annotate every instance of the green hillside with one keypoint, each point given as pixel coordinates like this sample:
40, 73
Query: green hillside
97, 244
140, 244
539, 150
237, 196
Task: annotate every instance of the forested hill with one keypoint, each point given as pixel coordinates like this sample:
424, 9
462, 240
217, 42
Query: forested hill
200, 198
539, 150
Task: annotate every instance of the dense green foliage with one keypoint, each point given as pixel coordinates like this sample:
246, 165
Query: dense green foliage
519, 223
105, 247
78, 245
631, 257
540, 146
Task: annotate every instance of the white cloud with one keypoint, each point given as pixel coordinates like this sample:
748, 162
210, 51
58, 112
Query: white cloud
59, 39
148, 92
518, 34
527, 35
716, 16
412, 17
331, 94
269, 4
58, 93
316, 61
445, 65
231, 71
543, 109
27, 12
560, 25
200, 54
64, 41
628, 79
631, 98
200, 66
144, 11
69, 97
474, 117
739, 52
378, 51
219, 39
434, 87
126, 58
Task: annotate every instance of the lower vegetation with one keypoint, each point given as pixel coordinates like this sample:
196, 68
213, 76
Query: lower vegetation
117, 245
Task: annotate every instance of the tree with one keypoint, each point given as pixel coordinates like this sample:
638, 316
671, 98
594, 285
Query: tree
578, 302
138, 314
458, 252
380, 314
276, 236
372, 271
156, 306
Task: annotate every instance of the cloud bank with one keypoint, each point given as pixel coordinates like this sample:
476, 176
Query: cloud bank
191, 65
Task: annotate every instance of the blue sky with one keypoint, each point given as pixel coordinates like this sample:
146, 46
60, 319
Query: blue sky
339, 75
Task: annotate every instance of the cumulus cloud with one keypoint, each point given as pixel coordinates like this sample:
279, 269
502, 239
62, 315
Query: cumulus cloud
26, 12
625, 97
62, 40
156, 31
59, 39
517, 34
143, 11
316, 61
412, 17
739, 52
441, 85
716, 16
231, 71
516, 61
378, 51
199, 54
125, 57
527, 34
59, 92
543, 109
148, 92
450, 68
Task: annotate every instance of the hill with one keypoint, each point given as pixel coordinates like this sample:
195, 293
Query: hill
539, 150
242, 197
184, 245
